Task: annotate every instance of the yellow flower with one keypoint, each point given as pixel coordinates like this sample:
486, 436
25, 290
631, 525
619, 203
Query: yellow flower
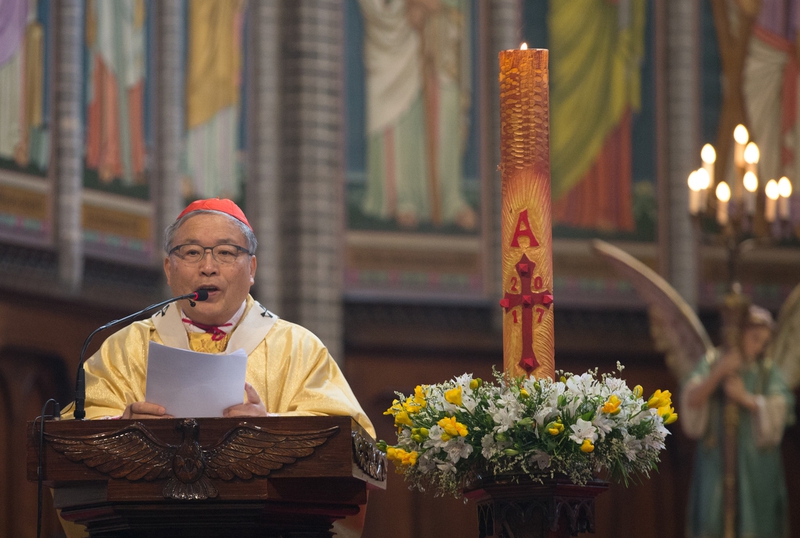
659, 399
523, 393
475, 383
419, 396
638, 391
587, 446
453, 396
611, 407
452, 428
402, 418
554, 428
400, 457
668, 413
394, 409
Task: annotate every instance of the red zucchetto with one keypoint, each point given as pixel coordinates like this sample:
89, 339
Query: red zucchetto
216, 204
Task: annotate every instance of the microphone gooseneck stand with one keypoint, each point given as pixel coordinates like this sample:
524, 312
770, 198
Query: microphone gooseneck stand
80, 383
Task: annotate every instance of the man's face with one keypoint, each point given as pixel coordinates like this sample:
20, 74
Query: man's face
227, 284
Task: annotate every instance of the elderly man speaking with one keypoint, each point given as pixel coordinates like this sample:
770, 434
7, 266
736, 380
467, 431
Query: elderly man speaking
211, 247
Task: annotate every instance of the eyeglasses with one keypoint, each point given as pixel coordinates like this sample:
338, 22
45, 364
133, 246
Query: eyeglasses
225, 254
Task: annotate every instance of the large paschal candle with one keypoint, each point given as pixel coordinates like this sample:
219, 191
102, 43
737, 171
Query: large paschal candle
527, 264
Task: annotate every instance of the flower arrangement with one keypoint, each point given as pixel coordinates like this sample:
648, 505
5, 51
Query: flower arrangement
450, 433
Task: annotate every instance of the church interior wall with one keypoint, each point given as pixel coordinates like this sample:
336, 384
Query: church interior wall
388, 341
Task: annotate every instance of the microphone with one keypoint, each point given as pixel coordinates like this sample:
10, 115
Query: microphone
80, 382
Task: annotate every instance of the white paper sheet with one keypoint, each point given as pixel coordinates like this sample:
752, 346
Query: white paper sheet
190, 384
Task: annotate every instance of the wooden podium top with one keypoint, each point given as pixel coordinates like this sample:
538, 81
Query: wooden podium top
318, 459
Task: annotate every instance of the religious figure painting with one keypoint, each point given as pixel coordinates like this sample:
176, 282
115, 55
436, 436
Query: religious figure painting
116, 96
212, 161
24, 112
413, 160
602, 113
413, 172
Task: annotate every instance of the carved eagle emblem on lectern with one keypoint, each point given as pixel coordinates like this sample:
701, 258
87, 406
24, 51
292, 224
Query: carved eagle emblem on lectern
134, 453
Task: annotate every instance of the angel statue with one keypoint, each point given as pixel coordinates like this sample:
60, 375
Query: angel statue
736, 400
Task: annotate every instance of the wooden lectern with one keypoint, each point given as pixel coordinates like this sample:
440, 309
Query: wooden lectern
271, 477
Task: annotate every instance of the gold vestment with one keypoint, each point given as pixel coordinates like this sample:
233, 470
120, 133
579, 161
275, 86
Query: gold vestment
288, 366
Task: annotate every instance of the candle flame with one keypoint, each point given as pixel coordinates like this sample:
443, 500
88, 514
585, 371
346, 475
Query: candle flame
741, 135
751, 153
785, 187
524, 46
723, 192
693, 184
750, 182
772, 190
708, 154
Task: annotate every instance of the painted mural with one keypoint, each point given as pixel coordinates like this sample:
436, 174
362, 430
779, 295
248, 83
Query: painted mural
413, 167
25, 33
602, 146
213, 162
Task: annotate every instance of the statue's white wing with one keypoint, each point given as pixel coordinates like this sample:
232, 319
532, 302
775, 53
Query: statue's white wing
674, 326
784, 349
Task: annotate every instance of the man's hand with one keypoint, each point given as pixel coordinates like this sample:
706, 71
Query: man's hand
253, 407
139, 410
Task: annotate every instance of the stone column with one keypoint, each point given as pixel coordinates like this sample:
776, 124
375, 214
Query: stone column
682, 110
505, 32
166, 179
68, 141
263, 204
312, 165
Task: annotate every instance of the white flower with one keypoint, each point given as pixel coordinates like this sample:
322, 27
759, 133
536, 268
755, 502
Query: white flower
583, 384
445, 466
615, 385
545, 414
468, 402
425, 463
541, 458
434, 438
504, 417
491, 447
457, 449
632, 446
583, 429
603, 423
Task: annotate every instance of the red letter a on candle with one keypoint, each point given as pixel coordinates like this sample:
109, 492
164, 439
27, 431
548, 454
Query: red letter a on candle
526, 232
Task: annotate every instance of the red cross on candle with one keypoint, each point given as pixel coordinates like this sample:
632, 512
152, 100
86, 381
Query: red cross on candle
528, 299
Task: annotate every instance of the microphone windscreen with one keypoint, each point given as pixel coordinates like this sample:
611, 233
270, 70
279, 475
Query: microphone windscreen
201, 295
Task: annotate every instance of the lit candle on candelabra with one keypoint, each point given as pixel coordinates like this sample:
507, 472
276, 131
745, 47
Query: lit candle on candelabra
785, 191
709, 156
750, 182
527, 259
723, 197
740, 136
773, 193
751, 157
694, 193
